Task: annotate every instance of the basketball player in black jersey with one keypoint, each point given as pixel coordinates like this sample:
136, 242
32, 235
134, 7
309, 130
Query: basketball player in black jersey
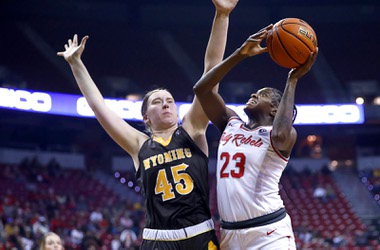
172, 160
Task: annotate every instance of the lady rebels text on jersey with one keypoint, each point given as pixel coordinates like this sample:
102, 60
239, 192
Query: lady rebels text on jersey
248, 172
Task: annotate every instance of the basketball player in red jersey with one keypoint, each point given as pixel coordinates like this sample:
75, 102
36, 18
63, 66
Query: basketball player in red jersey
252, 155
172, 161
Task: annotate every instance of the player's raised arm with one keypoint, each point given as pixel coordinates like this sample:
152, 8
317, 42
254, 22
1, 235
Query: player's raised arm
195, 121
283, 133
121, 132
212, 103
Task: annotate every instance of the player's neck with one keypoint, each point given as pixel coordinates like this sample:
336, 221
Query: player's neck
252, 124
164, 134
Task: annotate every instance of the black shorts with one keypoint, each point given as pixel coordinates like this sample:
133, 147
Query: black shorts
205, 241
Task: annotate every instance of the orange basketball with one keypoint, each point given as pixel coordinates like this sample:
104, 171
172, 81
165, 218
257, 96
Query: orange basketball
290, 42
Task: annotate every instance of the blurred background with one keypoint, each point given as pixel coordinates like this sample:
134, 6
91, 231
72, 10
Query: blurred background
66, 174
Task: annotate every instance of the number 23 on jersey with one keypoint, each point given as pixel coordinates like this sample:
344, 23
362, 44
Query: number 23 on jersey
238, 161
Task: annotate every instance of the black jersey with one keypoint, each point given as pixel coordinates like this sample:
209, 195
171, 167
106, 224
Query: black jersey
174, 180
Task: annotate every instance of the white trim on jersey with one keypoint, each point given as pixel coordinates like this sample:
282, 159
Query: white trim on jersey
178, 234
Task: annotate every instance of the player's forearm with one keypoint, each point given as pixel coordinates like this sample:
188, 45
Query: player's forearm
216, 74
217, 42
283, 121
85, 83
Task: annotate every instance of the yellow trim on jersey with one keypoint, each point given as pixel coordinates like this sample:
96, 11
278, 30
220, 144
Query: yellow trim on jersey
162, 141
211, 246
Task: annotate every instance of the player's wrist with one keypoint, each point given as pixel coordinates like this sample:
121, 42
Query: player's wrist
222, 14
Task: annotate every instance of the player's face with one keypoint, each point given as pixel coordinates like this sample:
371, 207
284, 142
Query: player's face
260, 103
260, 99
53, 242
162, 110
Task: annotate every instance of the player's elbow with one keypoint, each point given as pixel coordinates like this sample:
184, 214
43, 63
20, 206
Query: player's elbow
198, 90
201, 89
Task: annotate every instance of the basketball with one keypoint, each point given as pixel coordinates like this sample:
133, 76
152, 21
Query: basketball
290, 42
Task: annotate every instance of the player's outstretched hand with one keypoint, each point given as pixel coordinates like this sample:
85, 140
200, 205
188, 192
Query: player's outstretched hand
225, 6
252, 45
73, 51
297, 73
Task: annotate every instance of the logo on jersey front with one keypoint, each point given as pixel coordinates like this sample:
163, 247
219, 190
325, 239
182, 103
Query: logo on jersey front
263, 131
240, 139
